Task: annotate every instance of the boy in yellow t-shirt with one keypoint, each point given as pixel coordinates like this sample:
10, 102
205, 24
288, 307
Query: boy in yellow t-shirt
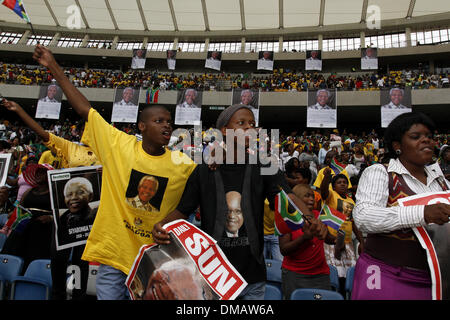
139, 171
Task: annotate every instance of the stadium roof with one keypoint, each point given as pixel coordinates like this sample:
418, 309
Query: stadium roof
217, 15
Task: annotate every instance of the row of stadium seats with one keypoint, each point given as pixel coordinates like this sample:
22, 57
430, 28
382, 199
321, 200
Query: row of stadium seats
35, 284
273, 285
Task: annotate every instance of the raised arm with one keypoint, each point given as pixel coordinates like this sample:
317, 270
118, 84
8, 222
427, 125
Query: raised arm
30, 123
324, 186
77, 100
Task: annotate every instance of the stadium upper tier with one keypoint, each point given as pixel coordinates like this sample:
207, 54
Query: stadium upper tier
219, 18
279, 80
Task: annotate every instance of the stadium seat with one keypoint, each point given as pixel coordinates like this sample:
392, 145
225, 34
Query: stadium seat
27, 288
315, 294
273, 272
272, 292
10, 267
2, 240
35, 284
334, 278
2, 287
349, 283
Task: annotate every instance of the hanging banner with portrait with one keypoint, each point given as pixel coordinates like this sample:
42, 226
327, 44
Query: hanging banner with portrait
213, 60
49, 103
265, 60
138, 59
369, 59
75, 197
249, 98
313, 60
126, 104
321, 112
393, 103
191, 267
189, 107
171, 59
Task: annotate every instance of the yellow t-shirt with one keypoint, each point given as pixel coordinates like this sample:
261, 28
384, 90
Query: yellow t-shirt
268, 219
344, 205
122, 226
47, 157
72, 154
319, 178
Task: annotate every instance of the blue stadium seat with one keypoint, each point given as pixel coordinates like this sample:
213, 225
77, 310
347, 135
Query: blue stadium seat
10, 267
2, 240
272, 292
26, 288
315, 294
334, 278
273, 272
2, 287
349, 282
35, 284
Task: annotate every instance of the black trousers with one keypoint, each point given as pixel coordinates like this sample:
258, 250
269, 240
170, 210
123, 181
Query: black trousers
59, 264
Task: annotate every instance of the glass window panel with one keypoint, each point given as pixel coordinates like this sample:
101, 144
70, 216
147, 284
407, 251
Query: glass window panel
436, 36
444, 35
428, 37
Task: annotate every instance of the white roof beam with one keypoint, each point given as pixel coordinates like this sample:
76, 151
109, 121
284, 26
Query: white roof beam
281, 14
241, 6
141, 12
364, 11
205, 15
411, 9
83, 16
174, 18
112, 15
322, 12
52, 13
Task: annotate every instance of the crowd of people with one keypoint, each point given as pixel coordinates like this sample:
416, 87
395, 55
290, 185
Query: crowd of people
279, 80
349, 172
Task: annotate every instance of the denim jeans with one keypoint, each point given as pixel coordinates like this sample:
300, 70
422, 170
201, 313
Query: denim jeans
254, 291
110, 284
272, 248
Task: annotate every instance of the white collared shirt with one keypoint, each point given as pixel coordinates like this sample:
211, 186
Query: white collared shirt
371, 214
47, 99
391, 105
123, 103
186, 105
317, 106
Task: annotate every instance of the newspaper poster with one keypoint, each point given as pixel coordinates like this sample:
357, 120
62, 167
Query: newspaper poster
49, 103
249, 98
393, 103
313, 60
435, 239
265, 60
5, 161
125, 106
321, 112
369, 59
75, 197
189, 107
191, 267
171, 59
138, 59
213, 60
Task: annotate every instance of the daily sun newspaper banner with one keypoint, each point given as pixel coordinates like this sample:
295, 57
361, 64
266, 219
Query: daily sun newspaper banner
435, 239
191, 267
